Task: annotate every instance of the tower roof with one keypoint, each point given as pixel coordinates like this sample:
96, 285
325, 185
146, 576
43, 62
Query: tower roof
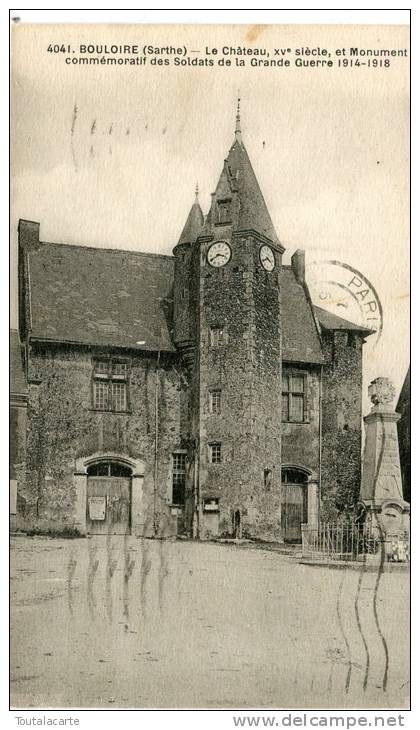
238, 181
194, 222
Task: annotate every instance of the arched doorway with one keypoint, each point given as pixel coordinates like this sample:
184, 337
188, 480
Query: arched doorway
108, 498
294, 502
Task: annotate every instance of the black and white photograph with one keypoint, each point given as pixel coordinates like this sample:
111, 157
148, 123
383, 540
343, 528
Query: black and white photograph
210, 367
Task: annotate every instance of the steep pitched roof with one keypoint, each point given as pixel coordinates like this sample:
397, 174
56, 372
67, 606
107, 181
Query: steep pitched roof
301, 341
193, 225
18, 385
253, 212
248, 207
118, 298
101, 296
330, 321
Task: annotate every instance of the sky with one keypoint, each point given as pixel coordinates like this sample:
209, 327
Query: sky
330, 148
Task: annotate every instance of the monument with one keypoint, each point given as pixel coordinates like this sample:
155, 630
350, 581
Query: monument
381, 493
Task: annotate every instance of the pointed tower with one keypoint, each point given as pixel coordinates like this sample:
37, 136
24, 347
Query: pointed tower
236, 263
238, 204
184, 318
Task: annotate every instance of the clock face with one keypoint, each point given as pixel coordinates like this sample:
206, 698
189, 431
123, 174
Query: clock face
219, 253
267, 258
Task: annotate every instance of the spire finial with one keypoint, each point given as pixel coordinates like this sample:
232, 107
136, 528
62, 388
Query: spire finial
238, 134
196, 192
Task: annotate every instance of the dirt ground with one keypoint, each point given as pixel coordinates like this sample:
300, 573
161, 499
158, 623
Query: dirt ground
125, 622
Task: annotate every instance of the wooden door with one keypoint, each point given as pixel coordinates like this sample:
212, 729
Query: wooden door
293, 511
108, 505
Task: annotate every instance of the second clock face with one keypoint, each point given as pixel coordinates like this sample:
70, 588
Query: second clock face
267, 258
219, 253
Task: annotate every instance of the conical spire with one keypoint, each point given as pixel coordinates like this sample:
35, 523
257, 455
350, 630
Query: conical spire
239, 190
194, 222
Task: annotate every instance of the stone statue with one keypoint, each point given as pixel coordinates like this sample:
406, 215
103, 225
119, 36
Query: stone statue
381, 391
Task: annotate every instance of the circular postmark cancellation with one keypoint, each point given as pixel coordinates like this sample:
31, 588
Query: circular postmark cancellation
343, 290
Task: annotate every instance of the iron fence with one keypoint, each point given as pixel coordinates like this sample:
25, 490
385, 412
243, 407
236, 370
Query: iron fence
339, 541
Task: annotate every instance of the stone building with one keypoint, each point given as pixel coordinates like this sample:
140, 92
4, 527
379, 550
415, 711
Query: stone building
17, 430
199, 393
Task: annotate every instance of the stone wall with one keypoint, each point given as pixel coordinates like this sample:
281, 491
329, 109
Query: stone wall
341, 422
243, 299
63, 427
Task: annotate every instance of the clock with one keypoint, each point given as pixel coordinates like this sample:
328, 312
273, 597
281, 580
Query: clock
267, 258
219, 254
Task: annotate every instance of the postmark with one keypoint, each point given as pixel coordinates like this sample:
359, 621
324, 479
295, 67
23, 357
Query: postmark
346, 292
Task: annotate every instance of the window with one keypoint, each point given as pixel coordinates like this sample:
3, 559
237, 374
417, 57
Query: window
215, 401
293, 401
110, 385
215, 453
267, 478
108, 469
223, 211
289, 475
178, 478
217, 336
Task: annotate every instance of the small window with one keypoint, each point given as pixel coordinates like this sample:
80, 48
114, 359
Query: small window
179, 463
223, 211
215, 401
119, 370
109, 469
293, 476
101, 368
215, 453
293, 398
267, 478
217, 336
110, 385
184, 293
211, 504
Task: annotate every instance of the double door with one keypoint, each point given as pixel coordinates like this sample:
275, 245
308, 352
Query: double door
108, 505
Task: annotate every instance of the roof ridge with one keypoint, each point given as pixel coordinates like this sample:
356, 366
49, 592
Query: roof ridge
110, 250
351, 325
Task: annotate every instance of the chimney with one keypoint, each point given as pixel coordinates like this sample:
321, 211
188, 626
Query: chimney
298, 265
29, 234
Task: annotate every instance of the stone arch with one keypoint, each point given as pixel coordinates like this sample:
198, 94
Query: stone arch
312, 490
80, 477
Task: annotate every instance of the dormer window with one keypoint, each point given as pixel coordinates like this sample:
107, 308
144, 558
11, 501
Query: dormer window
224, 211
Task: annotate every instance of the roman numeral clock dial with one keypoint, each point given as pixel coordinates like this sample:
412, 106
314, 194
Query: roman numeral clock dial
219, 254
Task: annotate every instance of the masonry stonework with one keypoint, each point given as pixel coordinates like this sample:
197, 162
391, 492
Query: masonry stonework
341, 422
63, 427
188, 329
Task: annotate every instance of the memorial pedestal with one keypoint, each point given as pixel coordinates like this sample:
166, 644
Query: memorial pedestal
381, 489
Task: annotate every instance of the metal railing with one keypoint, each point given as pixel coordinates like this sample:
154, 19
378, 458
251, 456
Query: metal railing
339, 541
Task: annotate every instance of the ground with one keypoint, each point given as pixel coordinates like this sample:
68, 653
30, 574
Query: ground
126, 622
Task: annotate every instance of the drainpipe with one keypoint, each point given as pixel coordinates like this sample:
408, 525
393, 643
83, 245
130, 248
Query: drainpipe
196, 500
155, 526
320, 446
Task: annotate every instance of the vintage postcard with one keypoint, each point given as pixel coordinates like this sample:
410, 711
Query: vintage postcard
210, 384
